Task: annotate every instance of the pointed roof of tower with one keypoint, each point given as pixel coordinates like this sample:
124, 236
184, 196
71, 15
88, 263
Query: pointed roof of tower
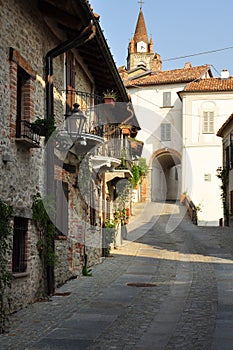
140, 31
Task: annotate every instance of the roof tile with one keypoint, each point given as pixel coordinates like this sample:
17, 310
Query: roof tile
170, 76
211, 84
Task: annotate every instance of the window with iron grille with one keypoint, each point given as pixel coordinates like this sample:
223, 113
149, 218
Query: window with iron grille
208, 123
165, 132
19, 256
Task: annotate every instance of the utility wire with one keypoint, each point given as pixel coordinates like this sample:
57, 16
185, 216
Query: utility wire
198, 54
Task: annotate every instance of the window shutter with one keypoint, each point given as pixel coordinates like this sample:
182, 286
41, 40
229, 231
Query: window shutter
165, 132
167, 99
70, 81
208, 123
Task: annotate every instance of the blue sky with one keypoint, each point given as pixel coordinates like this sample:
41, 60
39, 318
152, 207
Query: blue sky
178, 28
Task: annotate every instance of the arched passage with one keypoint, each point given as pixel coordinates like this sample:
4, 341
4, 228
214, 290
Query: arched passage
165, 174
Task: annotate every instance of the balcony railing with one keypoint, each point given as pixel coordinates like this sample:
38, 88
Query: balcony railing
117, 148
25, 133
89, 106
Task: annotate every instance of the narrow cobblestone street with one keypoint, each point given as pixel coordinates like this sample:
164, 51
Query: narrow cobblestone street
170, 286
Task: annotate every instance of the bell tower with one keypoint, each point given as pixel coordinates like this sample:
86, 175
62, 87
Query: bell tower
140, 49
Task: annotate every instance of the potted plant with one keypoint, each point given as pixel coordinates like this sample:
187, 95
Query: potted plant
110, 97
43, 127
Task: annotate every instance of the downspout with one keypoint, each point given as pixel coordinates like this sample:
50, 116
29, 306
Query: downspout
87, 34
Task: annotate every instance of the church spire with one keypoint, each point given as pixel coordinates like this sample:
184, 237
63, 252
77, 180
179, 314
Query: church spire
141, 54
140, 31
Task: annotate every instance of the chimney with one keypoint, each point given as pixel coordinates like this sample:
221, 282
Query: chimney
225, 74
188, 65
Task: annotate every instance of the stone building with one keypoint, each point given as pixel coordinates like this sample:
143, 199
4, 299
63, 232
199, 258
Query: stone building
179, 111
50, 77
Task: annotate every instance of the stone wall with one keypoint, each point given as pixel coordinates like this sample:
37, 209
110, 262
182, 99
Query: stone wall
22, 168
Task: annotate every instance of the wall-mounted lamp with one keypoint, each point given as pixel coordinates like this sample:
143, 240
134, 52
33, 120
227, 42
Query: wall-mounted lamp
75, 122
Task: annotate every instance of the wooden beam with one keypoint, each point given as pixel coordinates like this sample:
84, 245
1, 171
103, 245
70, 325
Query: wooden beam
60, 15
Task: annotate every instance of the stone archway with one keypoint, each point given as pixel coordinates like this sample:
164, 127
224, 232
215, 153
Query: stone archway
165, 167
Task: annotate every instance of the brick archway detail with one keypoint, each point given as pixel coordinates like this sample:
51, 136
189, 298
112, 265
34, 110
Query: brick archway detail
164, 151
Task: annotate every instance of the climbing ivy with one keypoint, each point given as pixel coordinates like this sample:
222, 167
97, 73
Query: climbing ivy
139, 170
47, 231
5, 251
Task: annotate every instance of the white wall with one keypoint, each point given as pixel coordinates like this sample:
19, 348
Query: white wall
148, 105
202, 154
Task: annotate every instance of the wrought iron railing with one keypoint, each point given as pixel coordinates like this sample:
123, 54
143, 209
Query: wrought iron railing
88, 103
117, 148
24, 131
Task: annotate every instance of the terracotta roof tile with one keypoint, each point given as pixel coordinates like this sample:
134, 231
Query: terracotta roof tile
170, 76
211, 84
227, 122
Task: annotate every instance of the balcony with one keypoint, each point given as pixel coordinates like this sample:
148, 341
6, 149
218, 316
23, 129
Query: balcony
25, 134
136, 148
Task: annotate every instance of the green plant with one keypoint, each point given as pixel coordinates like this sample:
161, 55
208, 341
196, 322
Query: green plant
44, 127
138, 171
46, 228
86, 271
136, 177
109, 235
110, 94
222, 174
143, 167
6, 276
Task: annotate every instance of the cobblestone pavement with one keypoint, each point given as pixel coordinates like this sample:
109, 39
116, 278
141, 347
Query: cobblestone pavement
170, 286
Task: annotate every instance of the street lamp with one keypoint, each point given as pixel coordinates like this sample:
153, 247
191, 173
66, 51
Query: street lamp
75, 122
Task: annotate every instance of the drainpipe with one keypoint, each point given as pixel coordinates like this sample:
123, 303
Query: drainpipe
87, 34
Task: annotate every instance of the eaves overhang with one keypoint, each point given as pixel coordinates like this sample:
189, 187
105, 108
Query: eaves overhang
67, 19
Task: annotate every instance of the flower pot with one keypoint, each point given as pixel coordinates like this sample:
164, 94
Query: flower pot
109, 100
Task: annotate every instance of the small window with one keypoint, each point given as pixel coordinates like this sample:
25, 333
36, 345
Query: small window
165, 132
19, 256
167, 99
208, 123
